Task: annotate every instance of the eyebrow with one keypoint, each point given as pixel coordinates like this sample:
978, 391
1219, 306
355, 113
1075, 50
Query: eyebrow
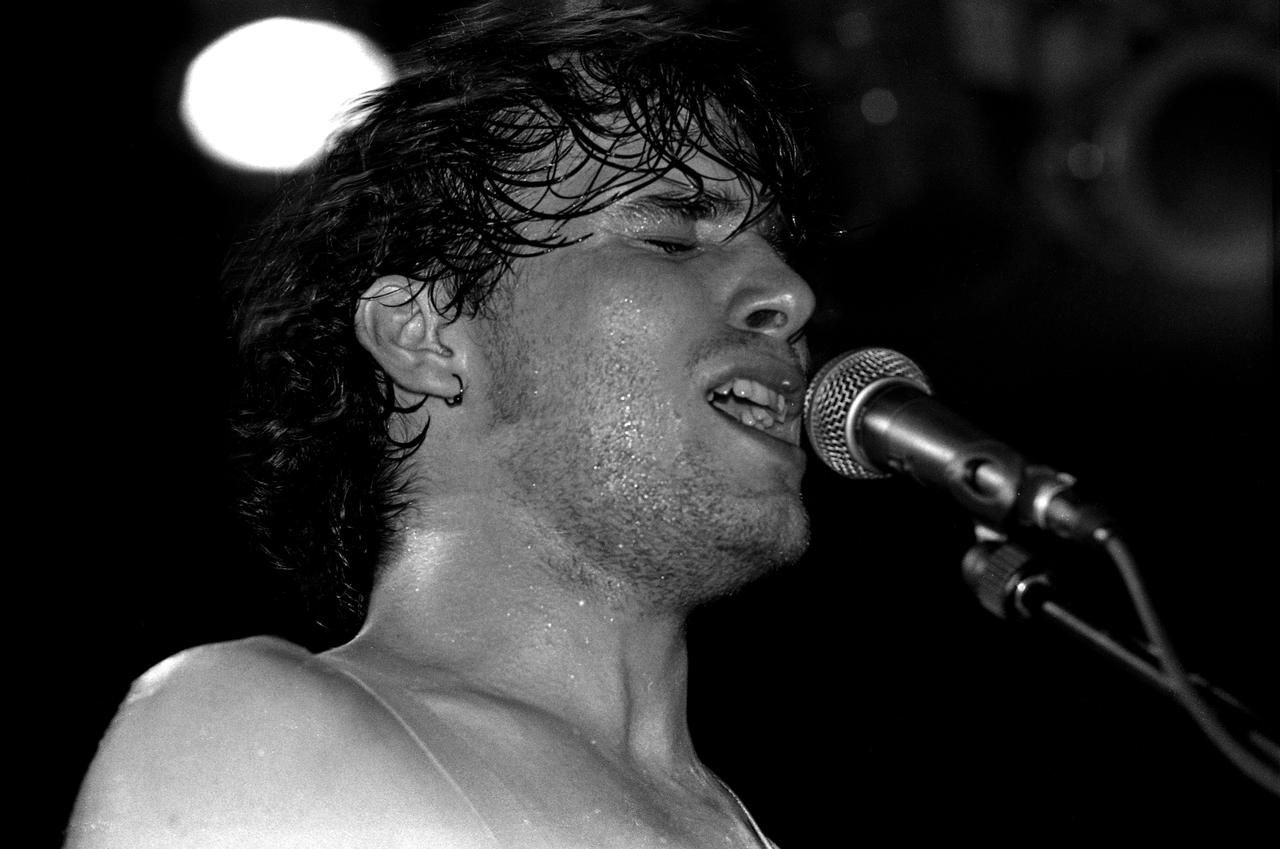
693, 205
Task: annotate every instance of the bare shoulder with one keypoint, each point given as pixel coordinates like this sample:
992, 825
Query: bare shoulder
257, 743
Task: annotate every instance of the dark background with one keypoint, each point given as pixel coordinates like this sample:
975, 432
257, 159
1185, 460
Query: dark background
1069, 225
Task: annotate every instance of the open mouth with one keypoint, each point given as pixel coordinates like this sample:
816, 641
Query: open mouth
755, 405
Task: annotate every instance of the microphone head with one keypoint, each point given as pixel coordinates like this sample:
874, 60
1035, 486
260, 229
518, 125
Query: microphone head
831, 404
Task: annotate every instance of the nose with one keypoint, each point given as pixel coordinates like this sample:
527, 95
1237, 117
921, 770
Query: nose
769, 297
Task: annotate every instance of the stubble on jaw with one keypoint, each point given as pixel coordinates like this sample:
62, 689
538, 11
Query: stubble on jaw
617, 520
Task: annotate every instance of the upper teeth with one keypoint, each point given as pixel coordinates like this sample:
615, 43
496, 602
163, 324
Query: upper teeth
753, 391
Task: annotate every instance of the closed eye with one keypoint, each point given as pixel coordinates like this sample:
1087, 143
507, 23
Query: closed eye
668, 246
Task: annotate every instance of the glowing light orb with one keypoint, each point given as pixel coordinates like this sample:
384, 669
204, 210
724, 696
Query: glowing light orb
268, 95
879, 106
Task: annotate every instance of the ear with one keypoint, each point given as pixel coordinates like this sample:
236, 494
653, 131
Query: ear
396, 322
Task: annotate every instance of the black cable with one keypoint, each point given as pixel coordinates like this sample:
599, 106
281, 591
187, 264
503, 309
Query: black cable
1259, 769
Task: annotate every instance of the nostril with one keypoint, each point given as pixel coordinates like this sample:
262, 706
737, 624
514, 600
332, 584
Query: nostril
766, 320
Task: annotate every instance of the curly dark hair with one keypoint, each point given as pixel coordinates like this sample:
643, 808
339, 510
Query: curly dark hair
433, 181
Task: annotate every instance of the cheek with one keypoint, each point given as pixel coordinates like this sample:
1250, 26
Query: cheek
632, 381
625, 365
657, 315
611, 340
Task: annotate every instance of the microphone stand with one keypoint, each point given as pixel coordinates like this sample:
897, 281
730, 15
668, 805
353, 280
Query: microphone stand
1009, 584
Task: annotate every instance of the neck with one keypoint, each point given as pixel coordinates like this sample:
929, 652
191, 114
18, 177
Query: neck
484, 599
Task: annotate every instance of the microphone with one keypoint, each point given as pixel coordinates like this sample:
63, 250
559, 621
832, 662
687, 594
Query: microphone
870, 413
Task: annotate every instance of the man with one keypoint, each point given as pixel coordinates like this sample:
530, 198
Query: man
525, 370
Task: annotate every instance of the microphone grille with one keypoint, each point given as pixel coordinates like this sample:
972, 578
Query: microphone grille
831, 396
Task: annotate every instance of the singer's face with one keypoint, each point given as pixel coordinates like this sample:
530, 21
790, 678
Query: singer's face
647, 383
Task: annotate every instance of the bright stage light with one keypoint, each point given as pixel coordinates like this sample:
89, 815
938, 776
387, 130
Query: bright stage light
268, 95
879, 106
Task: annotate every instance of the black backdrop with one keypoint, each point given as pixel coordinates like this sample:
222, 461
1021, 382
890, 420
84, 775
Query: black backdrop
863, 697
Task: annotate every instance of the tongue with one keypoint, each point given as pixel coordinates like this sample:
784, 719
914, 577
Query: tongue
733, 406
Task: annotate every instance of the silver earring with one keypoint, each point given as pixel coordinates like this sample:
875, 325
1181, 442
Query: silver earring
456, 399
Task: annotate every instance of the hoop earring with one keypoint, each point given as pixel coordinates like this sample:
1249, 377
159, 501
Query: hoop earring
456, 399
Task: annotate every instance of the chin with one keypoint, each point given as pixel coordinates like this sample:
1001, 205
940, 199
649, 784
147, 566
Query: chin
775, 541
673, 535
759, 543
